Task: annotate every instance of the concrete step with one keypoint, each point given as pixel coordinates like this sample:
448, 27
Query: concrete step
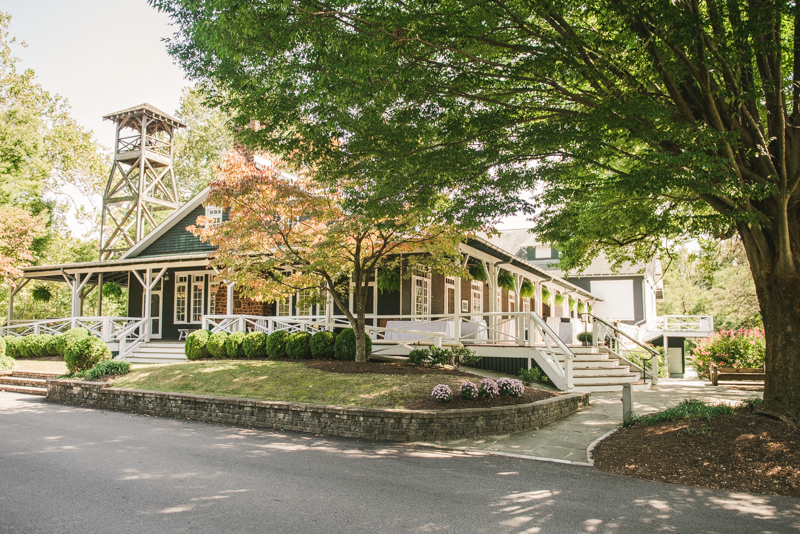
18, 381
589, 364
149, 349
601, 371
24, 389
155, 360
598, 380
599, 388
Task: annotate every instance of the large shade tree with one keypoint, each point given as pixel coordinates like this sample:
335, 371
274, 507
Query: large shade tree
647, 122
287, 234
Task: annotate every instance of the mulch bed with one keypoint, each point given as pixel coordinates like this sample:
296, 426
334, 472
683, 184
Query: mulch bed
380, 368
459, 403
739, 452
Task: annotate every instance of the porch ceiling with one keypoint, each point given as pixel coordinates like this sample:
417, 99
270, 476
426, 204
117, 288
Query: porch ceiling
116, 270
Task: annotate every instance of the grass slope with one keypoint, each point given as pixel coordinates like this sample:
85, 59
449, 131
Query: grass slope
285, 381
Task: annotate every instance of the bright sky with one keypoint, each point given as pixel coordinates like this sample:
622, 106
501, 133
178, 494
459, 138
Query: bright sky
104, 56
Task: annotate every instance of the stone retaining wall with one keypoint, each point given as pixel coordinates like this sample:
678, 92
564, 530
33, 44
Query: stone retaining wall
391, 425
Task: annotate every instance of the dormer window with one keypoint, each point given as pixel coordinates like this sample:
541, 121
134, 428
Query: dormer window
214, 213
542, 252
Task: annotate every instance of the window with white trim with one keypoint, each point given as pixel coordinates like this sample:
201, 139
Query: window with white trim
214, 213
421, 296
189, 298
477, 296
198, 290
304, 309
450, 295
213, 287
284, 307
181, 288
512, 301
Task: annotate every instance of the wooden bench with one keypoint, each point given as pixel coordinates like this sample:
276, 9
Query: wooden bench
183, 333
734, 375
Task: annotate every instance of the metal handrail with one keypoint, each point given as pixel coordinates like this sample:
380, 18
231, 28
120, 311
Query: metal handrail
654, 354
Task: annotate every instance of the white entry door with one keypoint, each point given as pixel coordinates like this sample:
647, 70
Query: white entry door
156, 303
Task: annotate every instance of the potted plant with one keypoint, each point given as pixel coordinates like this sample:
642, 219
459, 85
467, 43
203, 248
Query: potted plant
585, 338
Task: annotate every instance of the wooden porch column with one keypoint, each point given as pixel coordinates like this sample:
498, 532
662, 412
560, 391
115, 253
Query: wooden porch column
13, 290
521, 321
457, 310
491, 271
100, 294
229, 299
148, 294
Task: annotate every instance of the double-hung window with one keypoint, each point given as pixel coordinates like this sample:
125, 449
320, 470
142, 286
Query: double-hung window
477, 296
284, 307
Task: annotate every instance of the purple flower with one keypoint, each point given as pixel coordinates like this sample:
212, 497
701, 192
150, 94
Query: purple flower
510, 386
488, 388
442, 393
468, 390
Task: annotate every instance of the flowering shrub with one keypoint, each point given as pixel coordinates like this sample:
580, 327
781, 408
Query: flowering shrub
488, 388
468, 390
442, 393
741, 349
510, 386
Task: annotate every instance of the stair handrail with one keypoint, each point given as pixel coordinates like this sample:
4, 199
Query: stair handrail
654, 354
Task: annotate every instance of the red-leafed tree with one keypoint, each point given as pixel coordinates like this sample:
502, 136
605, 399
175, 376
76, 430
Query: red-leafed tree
289, 233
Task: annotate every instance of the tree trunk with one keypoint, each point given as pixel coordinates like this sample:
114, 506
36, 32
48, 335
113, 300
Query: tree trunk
777, 285
779, 298
361, 347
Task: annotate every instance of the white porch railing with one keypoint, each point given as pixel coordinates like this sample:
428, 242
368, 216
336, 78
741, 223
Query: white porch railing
122, 334
498, 329
696, 326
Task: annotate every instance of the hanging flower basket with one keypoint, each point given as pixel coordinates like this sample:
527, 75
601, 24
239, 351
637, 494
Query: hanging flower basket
41, 294
527, 289
388, 280
477, 272
506, 280
111, 290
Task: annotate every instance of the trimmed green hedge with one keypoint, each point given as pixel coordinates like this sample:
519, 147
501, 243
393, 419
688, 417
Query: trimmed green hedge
84, 353
276, 344
323, 346
255, 346
216, 344
298, 345
345, 345
196, 345
233, 345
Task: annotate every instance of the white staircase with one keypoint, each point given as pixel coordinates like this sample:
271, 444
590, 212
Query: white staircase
158, 352
594, 370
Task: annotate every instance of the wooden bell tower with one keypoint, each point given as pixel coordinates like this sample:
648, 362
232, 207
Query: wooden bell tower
141, 190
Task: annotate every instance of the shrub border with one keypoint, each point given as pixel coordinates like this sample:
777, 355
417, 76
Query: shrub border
349, 422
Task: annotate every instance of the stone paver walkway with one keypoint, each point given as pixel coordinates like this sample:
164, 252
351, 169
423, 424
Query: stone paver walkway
568, 438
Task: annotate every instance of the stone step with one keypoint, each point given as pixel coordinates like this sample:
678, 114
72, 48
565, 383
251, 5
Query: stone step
601, 371
19, 381
628, 378
24, 389
35, 374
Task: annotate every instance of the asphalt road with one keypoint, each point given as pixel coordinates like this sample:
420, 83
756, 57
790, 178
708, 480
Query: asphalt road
65, 469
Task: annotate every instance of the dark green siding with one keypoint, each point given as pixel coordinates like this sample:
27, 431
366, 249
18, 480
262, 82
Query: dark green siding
177, 240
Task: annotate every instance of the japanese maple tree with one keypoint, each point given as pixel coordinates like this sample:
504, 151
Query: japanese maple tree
287, 233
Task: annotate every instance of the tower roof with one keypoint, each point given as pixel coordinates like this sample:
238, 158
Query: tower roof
145, 108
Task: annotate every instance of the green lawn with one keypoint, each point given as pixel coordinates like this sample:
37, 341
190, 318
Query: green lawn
284, 381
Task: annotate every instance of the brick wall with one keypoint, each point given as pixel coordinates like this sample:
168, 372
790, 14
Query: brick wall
241, 305
393, 425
